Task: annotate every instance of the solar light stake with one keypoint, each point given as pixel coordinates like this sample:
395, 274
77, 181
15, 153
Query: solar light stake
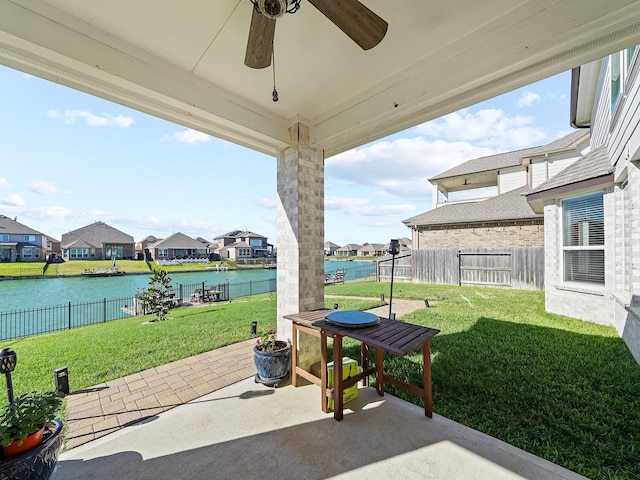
335, 306
61, 377
254, 327
394, 248
8, 360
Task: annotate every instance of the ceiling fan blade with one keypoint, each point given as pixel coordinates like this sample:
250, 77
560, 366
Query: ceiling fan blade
361, 25
260, 42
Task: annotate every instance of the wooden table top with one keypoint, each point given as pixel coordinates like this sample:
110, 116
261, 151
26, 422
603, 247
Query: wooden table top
391, 335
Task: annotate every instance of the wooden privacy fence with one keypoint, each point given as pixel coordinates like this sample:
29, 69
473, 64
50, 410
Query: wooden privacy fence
518, 268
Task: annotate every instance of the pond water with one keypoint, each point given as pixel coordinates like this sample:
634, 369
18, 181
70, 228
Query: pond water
36, 293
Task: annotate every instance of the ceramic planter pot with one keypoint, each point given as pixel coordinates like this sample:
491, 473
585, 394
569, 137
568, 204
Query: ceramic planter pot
37, 463
272, 367
28, 443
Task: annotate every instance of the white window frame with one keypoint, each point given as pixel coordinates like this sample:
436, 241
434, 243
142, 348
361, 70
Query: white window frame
28, 238
78, 253
583, 239
620, 66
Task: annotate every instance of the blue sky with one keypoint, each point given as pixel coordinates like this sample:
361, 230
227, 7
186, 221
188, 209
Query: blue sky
69, 159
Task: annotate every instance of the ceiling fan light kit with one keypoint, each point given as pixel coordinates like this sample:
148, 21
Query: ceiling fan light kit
359, 23
276, 8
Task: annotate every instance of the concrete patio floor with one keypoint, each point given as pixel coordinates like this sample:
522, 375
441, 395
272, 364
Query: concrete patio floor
248, 430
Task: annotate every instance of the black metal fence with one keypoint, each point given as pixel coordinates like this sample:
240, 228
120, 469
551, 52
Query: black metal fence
38, 321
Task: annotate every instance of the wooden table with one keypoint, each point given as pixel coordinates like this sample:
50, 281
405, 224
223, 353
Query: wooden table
390, 335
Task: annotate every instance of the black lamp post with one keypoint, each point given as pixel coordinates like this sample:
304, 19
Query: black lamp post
394, 248
8, 360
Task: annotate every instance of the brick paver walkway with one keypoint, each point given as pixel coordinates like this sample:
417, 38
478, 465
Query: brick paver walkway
106, 408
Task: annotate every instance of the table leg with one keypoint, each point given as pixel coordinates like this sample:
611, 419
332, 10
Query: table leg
294, 354
379, 371
323, 370
426, 372
338, 397
364, 356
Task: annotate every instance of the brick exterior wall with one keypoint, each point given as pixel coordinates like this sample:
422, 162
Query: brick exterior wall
300, 237
512, 234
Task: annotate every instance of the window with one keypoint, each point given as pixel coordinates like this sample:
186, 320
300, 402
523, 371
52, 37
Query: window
27, 253
79, 253
583, 239
630, 52
29, 238
4, 237
621, 65
616, 81
111, 251
163, 252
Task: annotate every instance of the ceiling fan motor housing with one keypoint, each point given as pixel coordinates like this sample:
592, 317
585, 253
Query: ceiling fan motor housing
273, 8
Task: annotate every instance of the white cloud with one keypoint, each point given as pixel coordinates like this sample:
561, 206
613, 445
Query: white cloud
267, 202
3, 182
13, 200
360, 207
528, 98
43, 187
490, 128
91, 119
191, 137
401, 167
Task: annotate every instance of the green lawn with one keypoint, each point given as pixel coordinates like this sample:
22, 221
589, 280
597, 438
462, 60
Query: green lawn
566, 390
76, 267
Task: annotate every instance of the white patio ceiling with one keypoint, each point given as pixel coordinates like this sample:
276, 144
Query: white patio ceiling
183, 60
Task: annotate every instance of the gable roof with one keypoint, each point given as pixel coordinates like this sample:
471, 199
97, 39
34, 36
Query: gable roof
592, 169
96, 235
331, 245
513, 158
179, 240
508, 206
10, 226
350, 246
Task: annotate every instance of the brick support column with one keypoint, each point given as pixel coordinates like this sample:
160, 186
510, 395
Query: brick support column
300, 236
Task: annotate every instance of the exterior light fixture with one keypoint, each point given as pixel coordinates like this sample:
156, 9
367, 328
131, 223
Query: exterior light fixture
8, 361
254, 327
61, 377
394, 249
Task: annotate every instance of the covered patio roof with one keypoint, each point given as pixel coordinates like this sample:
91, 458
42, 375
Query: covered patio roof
184, 61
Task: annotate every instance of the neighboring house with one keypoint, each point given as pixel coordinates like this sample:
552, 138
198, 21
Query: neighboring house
348, 250
494, 238
177, 247
330, 248
592, 209
372, 250
504, 219
53, 248
142, 247
97, 241
243, 244
19, 243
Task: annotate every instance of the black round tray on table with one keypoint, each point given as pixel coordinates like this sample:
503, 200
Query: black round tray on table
353, 319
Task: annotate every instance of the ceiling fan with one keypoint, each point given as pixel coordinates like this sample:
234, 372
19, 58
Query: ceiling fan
358, 22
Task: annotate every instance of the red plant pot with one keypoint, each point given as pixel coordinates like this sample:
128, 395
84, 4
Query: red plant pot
28, 443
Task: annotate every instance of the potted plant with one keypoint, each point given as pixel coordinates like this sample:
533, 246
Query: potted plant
30, 439
272, 359
22, 421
